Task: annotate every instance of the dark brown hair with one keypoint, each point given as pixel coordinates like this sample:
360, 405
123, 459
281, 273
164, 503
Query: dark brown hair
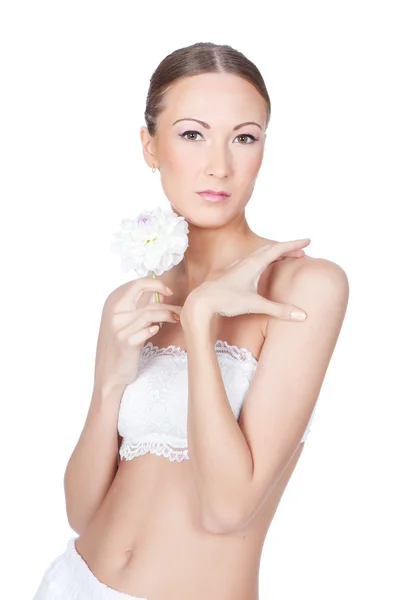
202, 57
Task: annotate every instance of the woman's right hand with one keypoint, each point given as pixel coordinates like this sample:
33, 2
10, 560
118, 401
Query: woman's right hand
125, 327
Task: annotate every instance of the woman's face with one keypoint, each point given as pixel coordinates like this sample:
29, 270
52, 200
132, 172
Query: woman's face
215, 155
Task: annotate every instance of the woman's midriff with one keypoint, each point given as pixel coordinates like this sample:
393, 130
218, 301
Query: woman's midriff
147, 538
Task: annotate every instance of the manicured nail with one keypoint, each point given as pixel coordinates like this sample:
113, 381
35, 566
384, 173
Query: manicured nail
298, 315
168, 290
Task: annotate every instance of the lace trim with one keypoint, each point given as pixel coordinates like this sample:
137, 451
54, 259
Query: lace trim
130, 450
220, 346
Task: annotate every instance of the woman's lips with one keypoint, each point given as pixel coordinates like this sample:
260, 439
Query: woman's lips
213, 197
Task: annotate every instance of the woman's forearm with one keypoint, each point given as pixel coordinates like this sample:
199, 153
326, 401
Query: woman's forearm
220, 458
94, 461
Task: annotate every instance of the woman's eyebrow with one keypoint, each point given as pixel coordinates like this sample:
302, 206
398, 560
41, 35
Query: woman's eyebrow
207, 126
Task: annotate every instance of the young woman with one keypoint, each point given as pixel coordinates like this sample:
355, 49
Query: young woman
191, 437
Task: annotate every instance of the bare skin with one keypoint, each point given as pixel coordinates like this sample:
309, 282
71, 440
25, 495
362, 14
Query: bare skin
146, 539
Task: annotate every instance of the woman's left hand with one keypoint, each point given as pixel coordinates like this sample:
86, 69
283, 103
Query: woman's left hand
235, 291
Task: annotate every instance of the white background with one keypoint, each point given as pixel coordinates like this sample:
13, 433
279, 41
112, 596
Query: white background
74, 78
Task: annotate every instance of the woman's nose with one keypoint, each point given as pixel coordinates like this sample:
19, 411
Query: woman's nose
218, 163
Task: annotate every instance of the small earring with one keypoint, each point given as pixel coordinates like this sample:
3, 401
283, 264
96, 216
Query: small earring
153, 169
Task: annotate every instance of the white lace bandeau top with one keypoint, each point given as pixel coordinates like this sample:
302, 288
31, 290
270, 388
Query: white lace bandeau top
153, 410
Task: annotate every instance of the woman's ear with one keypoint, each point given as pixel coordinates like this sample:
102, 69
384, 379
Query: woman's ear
148, 146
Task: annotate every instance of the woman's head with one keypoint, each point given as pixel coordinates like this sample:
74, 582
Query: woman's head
220, 87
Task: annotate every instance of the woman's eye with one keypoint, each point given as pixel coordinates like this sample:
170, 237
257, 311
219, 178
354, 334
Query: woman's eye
186, 132
248, 135
242, 135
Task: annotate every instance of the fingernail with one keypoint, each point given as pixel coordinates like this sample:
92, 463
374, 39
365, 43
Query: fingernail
176, 317
298, 315
168, 290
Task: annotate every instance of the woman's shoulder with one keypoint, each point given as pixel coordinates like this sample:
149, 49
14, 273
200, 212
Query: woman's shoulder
282, 273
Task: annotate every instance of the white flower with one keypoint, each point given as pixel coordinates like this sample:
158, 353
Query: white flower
152, 243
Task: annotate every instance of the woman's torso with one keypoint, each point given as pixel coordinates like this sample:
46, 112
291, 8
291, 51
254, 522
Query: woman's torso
147, 538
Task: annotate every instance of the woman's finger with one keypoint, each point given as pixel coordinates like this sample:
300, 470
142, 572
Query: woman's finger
296, 253
287, 312
268, 254
259, 305
293, 254
134, 290
287, 247
153, 299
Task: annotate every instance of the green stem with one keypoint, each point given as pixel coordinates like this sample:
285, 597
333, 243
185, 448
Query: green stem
157, 295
